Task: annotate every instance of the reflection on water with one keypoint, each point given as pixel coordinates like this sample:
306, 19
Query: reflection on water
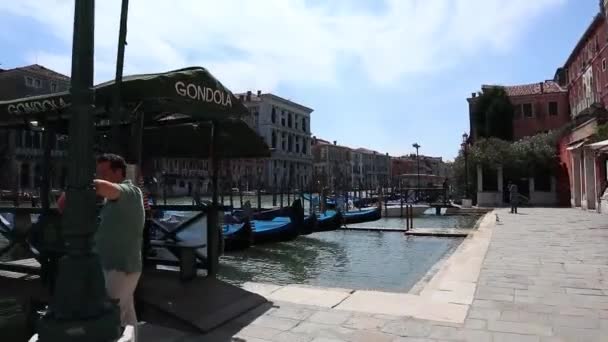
348, 259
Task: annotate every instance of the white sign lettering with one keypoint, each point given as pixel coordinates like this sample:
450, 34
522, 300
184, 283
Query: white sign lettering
196, 92
32, 107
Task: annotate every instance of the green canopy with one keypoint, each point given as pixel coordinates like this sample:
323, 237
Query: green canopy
191, 91
235, 140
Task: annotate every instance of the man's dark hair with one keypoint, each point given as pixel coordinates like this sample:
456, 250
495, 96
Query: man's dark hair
116, 162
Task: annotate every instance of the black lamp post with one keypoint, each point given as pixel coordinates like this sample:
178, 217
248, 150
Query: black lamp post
465, 150
80, 309
417, 146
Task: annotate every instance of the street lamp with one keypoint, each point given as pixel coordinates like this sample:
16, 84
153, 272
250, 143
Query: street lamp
465, 145
417, 146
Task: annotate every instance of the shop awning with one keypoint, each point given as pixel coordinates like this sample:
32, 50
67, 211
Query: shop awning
600, 145
575, 145
191, 91
235, 140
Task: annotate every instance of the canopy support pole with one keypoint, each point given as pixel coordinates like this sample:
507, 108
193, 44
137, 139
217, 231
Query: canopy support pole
115, 144
213, 229
45, 184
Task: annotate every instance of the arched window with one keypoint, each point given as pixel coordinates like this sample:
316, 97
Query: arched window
273, 116
304, 124
289, 120
274, 139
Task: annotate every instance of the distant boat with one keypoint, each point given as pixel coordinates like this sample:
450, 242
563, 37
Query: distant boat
396, 210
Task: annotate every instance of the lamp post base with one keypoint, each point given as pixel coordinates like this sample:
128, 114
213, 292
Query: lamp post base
80, 310
128, 335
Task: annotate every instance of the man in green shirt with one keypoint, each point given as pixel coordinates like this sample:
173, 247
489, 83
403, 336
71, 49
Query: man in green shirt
119, 235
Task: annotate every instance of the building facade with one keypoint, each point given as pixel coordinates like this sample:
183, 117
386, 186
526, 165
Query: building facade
404, 170
375, 168
332, 165
21, 151
584, 74
537, 107
285, 127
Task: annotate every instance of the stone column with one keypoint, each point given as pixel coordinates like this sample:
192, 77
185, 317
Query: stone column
590, 179
531, 185
479, 178
499, 181
17, 173
575, 186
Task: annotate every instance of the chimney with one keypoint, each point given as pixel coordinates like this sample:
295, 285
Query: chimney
542, 87
249, 95
259, 93
335, 142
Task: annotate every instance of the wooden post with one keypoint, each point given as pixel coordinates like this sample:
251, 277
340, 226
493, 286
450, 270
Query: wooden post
401, 203
221, 189
240, 194
259, 198
282, 190
231, 195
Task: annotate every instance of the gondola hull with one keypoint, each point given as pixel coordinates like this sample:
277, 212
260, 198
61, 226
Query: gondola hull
330, 220
364, 215
237, 236
275, 230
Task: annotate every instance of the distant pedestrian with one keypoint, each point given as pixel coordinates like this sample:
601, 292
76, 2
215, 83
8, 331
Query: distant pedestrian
513, 197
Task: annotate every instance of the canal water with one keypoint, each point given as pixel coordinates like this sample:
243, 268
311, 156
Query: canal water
386, 261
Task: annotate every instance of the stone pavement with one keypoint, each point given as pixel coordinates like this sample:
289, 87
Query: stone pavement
544, 278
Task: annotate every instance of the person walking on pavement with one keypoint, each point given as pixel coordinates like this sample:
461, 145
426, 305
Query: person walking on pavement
513, 197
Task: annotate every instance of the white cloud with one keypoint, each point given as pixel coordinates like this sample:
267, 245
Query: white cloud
290, 41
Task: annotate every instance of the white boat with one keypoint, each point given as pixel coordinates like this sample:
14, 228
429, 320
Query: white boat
395, 210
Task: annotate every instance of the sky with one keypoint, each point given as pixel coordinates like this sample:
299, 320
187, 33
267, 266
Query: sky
379, 74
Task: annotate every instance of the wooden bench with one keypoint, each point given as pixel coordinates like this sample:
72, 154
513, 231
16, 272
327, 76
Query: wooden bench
185, 251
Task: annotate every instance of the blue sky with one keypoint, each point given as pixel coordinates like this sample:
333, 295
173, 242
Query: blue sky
378, 74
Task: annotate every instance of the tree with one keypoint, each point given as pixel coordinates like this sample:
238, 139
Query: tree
524, 158
493, 114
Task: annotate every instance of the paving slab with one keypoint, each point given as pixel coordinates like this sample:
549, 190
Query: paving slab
403, 305
323, 297
540, 276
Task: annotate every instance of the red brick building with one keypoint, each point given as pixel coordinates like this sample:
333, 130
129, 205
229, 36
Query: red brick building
585, 76
537, 107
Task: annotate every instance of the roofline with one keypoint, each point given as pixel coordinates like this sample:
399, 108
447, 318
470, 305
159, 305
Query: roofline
597, 20
59, 76
289, 102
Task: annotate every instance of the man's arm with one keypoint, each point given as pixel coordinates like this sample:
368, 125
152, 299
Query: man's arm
107, 189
